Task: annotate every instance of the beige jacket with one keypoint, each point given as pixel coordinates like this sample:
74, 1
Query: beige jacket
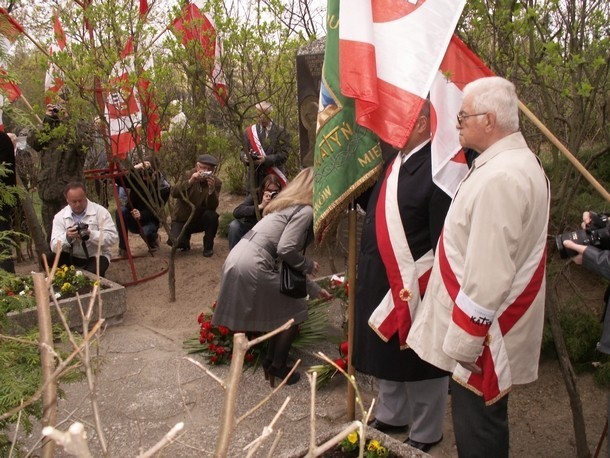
493, 243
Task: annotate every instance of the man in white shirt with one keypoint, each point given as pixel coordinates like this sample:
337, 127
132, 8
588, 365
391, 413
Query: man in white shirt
81, 228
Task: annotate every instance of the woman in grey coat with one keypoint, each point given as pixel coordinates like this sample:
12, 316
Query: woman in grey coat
250, 298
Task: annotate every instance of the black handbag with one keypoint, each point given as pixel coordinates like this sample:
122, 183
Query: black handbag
292, 282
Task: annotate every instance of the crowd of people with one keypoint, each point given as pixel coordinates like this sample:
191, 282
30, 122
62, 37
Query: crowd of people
449, 293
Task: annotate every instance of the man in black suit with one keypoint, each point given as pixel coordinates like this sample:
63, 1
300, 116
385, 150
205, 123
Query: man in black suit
267, 145
398, 239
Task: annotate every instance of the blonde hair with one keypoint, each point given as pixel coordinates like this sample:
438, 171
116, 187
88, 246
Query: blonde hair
298, 192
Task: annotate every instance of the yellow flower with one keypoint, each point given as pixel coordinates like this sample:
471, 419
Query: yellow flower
66, 287
373, 445
381, 451
352, 437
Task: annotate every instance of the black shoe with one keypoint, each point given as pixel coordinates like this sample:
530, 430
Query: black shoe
385, 428
208, 253
424, 447
281, 374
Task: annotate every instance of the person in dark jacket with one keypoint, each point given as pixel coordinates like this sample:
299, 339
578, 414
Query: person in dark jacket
245, 213
147, 190
411, 391
267, 145
197, 192
62, 157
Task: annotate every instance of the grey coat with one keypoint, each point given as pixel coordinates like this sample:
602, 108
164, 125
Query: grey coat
250, 298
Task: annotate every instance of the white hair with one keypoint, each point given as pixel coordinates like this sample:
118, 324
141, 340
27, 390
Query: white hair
497, 95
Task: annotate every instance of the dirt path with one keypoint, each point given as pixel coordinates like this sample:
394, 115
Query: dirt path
148, 387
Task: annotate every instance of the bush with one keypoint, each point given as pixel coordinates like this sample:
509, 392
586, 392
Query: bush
223, 224
581, 331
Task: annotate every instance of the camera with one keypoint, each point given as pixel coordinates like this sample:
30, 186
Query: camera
205, 173
596, 234
272, 194
255, 155
81, 229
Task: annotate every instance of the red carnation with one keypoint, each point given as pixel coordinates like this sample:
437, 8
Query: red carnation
213, 359
249, 357
211, 347
214, 306
206, 325
10, 293
223, 330
220, 350
200, 318
341, 362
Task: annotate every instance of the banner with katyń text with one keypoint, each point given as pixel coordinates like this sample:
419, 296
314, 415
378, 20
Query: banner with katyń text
347, 158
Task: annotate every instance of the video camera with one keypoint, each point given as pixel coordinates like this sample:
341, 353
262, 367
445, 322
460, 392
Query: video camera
596, 234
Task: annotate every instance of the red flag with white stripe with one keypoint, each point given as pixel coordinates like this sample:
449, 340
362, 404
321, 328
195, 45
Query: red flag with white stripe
122, 108
54, 78
143, 7
196, 25
10, 30
459, 67
389, 53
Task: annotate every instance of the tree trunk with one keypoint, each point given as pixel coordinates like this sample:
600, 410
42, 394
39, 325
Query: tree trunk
40, 242
569, 378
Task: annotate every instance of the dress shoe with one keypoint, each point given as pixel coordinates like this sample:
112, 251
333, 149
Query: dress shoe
208, 253
385, 428
424, 447
281, 374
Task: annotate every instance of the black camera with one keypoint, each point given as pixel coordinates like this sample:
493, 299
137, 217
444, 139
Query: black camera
596, 234
81, 230
272, 194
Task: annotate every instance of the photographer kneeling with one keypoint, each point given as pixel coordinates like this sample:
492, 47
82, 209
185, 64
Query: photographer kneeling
596, 260
80, 227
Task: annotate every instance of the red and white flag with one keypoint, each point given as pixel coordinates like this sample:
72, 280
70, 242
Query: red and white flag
143, 7
459, 67
389, 53
196, 25
10, 29
122, 108
54, 78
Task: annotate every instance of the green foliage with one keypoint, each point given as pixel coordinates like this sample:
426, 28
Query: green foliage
581, 331
223, 223
20, 378
234, 177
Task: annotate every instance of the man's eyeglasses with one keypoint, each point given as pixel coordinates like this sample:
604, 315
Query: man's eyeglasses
461, 117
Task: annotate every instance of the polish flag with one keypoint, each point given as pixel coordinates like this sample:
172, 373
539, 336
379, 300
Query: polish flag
143, 7
459, 67
389, 53
10, 30
195, 25
54, 78
122, 108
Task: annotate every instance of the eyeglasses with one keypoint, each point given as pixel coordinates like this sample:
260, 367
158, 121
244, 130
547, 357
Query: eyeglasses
461, 117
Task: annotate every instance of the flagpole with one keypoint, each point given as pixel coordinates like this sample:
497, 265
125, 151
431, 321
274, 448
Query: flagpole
351, 275
27, 104
555, 141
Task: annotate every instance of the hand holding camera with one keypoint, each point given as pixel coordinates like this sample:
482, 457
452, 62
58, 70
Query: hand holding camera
53, 110
595, 232
78, 231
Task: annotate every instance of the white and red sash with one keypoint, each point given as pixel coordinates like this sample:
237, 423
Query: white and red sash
257, 146
496, 379
408, 278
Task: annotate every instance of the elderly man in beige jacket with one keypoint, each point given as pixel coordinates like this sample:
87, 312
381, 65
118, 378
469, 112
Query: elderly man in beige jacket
482, 315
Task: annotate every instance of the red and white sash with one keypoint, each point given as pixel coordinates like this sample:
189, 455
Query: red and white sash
495, 380
257, 146
408, 278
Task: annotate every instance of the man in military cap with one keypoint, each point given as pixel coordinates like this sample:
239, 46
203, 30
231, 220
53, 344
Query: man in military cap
197, 192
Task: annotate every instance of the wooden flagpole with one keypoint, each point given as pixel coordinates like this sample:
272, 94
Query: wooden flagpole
351, 277
555, 141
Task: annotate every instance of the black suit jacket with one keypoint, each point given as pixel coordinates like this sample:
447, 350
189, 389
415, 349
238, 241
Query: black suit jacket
423, 207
